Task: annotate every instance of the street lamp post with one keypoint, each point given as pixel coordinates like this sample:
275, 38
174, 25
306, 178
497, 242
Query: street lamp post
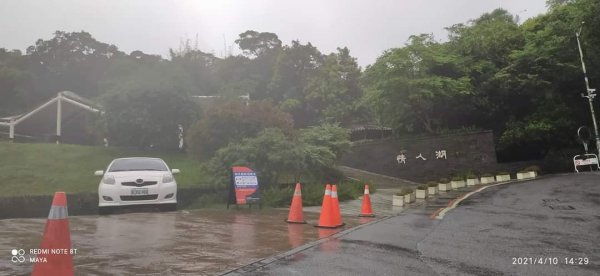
590, 91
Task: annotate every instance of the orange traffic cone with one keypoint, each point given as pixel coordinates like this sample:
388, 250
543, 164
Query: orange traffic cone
56, 237
296, 215
335, 205
326, 219
366, 204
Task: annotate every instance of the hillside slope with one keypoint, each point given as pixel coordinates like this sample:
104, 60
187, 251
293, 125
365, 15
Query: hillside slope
39, 169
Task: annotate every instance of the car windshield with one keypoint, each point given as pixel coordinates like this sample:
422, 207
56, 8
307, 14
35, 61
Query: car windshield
138, 164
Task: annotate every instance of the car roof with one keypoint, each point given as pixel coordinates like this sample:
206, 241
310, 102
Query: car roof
127, 158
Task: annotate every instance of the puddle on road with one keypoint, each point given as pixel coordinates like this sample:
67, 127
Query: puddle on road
195, 242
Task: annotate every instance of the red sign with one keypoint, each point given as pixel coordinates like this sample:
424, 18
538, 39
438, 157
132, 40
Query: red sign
245, 185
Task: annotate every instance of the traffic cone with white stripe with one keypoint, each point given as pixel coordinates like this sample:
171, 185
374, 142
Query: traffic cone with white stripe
335, 205
296, 215
326, 219
56, 237
366, 210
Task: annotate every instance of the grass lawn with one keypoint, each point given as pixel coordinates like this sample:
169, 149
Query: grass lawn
41, 169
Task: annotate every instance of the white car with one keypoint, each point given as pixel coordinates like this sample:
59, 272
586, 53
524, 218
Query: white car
137, 181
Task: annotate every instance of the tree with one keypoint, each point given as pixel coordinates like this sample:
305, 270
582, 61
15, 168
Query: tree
332, 94
256, 73
255, 44
540, 86
234, 77
269, 153
485, 45
69, 61
295, 64
273, 153
200, 66
145, 110
333, 137
231, 122
418, 88
13, 76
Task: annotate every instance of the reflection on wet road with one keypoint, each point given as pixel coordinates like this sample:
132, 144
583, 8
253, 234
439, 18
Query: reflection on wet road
196, 242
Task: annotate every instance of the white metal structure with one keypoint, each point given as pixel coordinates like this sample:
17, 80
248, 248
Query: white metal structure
586, 160
64, 99
590, 91
137, 181
246, 97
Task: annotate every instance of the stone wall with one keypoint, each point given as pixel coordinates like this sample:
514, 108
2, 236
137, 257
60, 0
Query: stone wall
426, 158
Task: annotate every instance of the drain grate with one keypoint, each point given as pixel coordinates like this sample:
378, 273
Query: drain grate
561, 207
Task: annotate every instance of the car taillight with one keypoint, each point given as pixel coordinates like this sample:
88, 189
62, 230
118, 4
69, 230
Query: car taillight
167, 178
108, 179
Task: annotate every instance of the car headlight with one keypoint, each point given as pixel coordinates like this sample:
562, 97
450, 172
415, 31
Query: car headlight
108, 179
167, 178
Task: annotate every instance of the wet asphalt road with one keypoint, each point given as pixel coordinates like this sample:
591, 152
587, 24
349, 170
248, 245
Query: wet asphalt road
553, 218
195, 242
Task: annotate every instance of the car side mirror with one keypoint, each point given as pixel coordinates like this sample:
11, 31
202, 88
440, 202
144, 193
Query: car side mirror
175, 171
99, 173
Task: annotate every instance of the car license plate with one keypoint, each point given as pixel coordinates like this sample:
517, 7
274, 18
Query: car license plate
142, 191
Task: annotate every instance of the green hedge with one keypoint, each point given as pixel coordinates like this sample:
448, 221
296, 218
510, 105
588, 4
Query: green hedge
312, 193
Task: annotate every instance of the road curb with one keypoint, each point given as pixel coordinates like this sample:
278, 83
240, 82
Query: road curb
440, 213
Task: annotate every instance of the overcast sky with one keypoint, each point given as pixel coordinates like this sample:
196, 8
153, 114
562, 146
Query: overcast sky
366, 27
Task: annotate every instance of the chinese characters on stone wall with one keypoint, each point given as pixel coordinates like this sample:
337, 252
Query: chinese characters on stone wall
439, 154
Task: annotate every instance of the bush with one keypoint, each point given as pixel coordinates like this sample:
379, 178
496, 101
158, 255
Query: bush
458, 178
404, 191
361, 185
432, 184
349, 190
503, 173
422, 187
487, 175
444, 180
312, 193
270, 154
277, 196
273, 153
331, 136
471, 176
533, 168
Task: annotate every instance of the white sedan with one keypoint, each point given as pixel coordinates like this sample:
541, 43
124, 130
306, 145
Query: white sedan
137, 181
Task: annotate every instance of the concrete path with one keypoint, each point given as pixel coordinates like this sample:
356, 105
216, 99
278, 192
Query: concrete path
548, 226
381, 202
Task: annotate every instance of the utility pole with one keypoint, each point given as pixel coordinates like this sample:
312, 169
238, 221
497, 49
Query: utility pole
590, 91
